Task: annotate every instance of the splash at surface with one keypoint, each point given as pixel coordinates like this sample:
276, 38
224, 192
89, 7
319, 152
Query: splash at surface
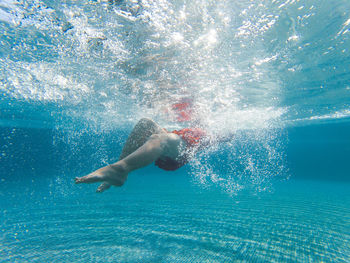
98, 66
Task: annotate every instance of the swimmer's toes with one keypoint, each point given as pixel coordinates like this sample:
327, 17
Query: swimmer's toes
103, 187
78, 180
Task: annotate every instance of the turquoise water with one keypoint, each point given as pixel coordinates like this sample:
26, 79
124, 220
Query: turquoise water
168, 219
76, 76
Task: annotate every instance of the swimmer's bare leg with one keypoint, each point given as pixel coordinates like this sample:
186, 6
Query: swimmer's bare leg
138, 136
108, 174
116, 174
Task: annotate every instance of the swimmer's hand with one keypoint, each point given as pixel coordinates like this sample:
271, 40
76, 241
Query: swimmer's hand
109, 175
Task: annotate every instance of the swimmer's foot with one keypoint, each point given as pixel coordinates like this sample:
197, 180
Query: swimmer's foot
110, 175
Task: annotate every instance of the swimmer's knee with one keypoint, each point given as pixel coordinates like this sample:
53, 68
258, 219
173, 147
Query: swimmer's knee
149, 125
145, 121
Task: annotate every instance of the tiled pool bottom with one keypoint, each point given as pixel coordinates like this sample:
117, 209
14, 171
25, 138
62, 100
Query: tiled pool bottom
301, 221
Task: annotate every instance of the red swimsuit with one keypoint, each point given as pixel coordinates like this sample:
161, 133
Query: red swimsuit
192, 137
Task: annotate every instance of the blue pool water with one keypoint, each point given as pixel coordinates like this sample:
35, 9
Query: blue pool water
75, 76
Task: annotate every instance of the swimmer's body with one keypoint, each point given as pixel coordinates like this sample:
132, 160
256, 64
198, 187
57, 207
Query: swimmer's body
148, 143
